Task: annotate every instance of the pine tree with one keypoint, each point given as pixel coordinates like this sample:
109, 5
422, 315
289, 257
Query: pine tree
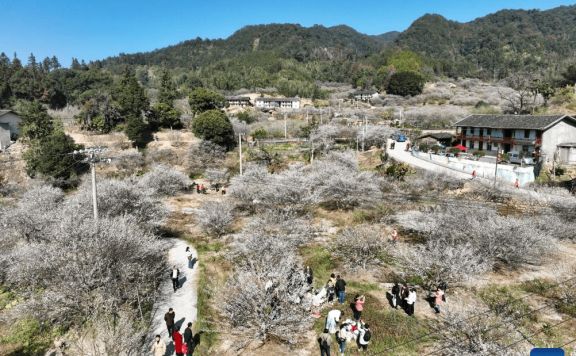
55, 63
167, 92
16, 63
135, 128
130, 95
75, 64
36, 123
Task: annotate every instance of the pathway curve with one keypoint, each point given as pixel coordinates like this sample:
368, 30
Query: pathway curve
183, 301
400, 154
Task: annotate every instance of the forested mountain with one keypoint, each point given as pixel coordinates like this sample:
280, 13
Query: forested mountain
287, 40
387, 37
498, 44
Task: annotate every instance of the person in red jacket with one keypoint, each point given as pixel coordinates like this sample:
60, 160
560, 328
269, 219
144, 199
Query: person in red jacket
178, 342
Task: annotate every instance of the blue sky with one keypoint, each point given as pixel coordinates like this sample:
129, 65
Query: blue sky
93, 30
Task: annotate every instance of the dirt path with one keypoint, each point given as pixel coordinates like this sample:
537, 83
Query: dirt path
183, 301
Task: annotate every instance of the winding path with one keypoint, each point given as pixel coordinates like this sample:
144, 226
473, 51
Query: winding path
183, 301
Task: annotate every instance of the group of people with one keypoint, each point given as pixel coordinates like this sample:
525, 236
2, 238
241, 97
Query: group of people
183, 344
200, 188
348, 330
405, 297
335, 288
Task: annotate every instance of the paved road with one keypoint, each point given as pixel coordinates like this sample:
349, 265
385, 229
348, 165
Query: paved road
183, 301
400, 154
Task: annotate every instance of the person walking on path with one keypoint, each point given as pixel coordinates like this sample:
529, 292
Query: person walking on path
190, 262
410, 301
517, 184
174, 276
309, 275
331, 291
473, 174
438, 299
217, 186
189, 339
364, 336
158, 346
394, 237
395, 295
169, 319
177, 342
197, 188
341, 338
333, 319
341, 287
325, 341
358, 307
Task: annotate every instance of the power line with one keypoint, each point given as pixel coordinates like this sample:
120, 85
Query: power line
533, 334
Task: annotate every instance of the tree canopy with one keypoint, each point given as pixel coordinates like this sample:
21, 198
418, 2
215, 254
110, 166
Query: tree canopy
214, 125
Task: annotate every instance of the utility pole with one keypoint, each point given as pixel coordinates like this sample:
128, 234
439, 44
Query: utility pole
312, 149
496, 170
285, 132
307, 117
320, 116
94, 157
240, 142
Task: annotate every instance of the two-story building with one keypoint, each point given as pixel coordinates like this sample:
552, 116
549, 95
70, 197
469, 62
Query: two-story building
237, 101
9, 122
272, 103
540, 134
364, 94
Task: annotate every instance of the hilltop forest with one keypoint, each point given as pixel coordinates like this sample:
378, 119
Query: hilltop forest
293, 59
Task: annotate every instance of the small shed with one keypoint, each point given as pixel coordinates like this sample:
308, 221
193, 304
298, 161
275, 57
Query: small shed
445, 138
9, 123
567, 152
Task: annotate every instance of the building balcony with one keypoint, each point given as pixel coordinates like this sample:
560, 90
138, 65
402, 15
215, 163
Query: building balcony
487, 138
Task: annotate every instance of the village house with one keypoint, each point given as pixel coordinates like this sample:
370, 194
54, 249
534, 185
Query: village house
364, 94
237, 101
283, 103
538, 134
9, 122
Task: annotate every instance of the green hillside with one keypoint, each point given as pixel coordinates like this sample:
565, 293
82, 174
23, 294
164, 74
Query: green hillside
498, 44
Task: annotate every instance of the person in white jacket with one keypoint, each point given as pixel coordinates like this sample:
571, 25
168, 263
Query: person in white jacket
341, 337
410, 302
362, 344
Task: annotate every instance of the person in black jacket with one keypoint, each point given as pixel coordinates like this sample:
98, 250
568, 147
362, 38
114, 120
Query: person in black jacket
189, 339
169, 319
396, 295
309, 275
341, 287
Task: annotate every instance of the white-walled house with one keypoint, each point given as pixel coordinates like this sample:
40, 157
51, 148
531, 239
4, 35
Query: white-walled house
271, 103
9, 123
540, 134
237, 101
365, 94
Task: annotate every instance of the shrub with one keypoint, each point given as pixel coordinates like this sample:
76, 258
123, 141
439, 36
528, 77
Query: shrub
163, 180
481, 104
479, 153
259, 134
455, 151
398, 170
559, 170
203, 155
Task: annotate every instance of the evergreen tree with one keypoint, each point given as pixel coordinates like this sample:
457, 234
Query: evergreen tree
214, 125
47, 65
202, 100
50, 156
164, 115
36, 123
406, 83
130, 95
75, 64
167, 91
16, 63
135, 128
55, 63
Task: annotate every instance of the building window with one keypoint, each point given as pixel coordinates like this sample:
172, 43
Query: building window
526, 133
489, 132
489, 146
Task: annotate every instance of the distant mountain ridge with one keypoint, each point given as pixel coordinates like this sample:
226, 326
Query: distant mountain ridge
507, 40
287, 40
